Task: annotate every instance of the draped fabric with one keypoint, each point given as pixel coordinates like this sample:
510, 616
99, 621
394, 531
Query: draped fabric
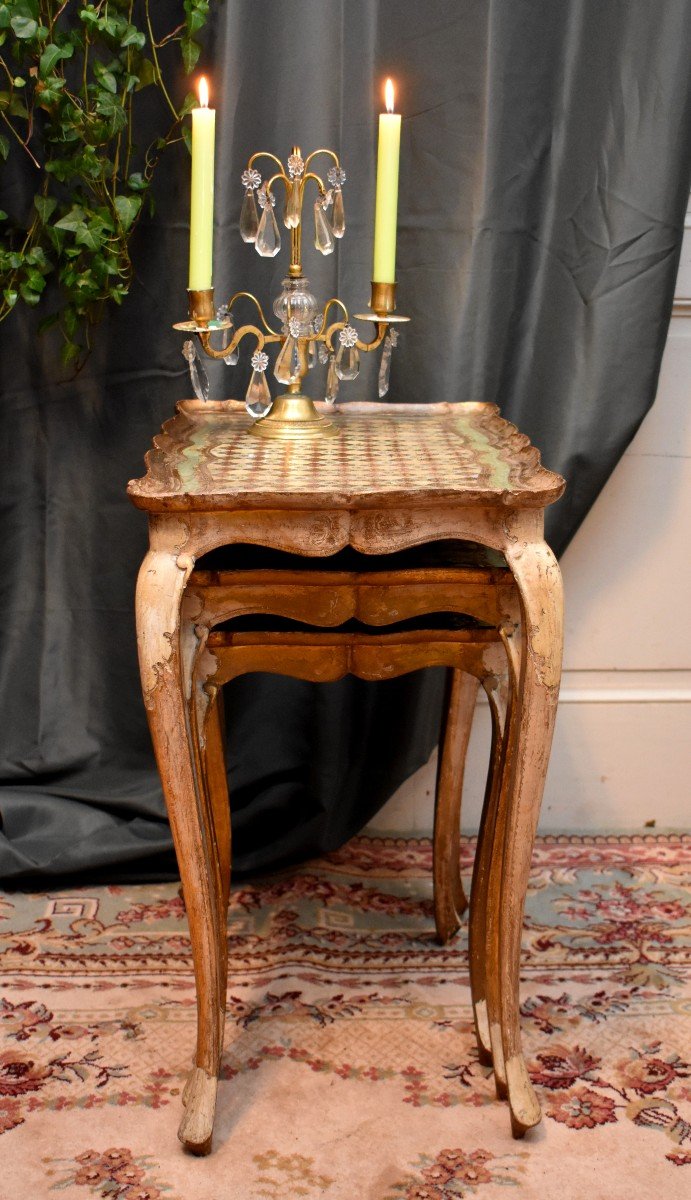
544, 176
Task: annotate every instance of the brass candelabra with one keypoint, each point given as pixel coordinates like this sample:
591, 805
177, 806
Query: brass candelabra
307, 334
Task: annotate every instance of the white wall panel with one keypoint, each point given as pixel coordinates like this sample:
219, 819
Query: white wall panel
622, 748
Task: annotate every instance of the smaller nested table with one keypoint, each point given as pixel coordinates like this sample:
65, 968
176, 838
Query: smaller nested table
397, 477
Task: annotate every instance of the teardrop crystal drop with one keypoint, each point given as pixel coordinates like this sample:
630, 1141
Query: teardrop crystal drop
332, 382
322, 354
230, 359
311, 356
385, 369
347, 362
287, 369
258, 397
292, 214
338, 219
198, 376
249, 217
323, 234
268, 240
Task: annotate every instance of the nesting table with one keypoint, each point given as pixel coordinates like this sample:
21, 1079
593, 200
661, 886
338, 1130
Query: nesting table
397, 477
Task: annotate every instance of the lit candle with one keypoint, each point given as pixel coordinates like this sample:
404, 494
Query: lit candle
202, 203
384, 268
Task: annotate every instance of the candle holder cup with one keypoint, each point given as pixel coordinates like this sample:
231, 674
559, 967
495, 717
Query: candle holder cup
307, 335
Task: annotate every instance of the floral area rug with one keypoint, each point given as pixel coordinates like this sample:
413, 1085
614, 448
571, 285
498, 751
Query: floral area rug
350, 1070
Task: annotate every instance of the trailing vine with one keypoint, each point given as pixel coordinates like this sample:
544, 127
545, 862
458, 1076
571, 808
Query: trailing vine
70, 78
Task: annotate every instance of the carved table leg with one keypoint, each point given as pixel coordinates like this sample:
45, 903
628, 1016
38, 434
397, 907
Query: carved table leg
159, 592
215, 769
538, 577
484, 964
449, 899
495, 850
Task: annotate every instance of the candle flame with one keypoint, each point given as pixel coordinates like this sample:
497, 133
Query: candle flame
203, 92
389, 95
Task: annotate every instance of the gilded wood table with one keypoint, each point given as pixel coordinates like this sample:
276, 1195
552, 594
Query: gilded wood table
397, 476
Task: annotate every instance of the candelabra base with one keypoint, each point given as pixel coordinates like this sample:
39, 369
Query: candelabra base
293, 418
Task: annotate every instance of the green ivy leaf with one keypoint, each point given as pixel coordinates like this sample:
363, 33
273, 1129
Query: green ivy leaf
87, 237
72, 220
190, 53
191, 101
133, 37
146, 74
107, 80
69, 352
52, 55
24, 27
45, 206
127, 208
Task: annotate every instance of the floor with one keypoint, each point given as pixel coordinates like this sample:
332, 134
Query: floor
349, 1069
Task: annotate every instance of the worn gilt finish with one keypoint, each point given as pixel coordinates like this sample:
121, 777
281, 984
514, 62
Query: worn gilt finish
399, 476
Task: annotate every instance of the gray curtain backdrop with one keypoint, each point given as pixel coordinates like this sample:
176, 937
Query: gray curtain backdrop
544, 176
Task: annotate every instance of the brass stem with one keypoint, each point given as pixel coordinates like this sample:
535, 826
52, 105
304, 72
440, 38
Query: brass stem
295, 268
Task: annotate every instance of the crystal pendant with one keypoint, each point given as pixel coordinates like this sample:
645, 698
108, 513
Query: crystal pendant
322, 353
292, 214
385, 364
287, 369
338, 219
331, 382
249, 217
198, 375
222, 315
347, 362
268, 240
311, 355
323, 234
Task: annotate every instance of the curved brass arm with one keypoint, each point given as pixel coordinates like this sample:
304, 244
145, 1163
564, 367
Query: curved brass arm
317, 180
314, 154
205, 339
327, 306
260, 310
382, 327
279, 175
265, 154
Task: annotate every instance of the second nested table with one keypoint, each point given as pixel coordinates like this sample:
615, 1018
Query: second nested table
398, 476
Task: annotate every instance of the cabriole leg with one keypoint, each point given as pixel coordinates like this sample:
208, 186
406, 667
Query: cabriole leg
449, 898
538, 577
159, 593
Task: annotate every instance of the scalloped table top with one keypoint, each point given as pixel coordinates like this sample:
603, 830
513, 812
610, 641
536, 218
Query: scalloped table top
386, 455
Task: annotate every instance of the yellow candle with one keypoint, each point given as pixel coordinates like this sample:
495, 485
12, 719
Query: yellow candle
202, 204
384, 268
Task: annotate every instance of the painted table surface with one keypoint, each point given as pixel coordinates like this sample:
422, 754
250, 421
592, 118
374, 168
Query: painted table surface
386, 455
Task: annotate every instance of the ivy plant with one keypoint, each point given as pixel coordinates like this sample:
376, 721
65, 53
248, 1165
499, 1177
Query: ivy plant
71, 77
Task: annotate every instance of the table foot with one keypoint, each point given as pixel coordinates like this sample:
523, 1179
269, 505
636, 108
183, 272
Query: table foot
484, 1046
196, 1127
523, 1103
496, 1042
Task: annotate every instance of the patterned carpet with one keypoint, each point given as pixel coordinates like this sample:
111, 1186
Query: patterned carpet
349, 1069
